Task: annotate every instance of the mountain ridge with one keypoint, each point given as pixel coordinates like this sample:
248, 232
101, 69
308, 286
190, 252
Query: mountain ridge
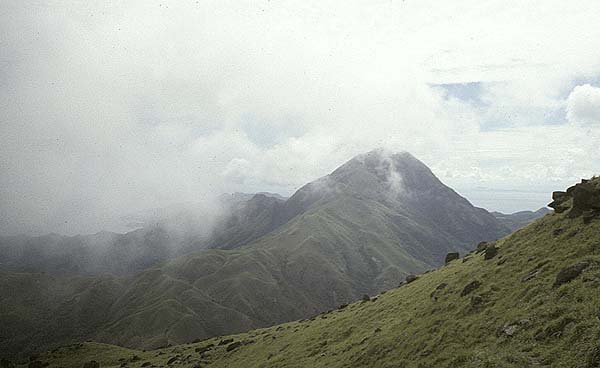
527, 300
359, 230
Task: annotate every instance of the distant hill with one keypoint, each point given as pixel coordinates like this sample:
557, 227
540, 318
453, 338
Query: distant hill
359, 230
517, 220
163, 234
530, 299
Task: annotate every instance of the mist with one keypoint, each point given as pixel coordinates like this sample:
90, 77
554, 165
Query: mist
112, 109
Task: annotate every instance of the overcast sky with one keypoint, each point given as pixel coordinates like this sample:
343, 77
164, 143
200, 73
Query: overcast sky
112, 107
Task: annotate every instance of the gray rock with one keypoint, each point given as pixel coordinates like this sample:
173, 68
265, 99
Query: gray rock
481, 247
510, 330
470, 287
410, 278
451, 257
234, 345
582, 199
530, 275
570, 273
490, 252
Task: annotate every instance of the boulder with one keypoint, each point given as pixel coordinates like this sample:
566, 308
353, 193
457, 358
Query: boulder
410, 278
510, 329
481, 247
204, 349
451, 257
530, 275
570, 273
559, 202
438, 290
490, 252
234, 345
441, 286
580, 199
470, 287
227, 341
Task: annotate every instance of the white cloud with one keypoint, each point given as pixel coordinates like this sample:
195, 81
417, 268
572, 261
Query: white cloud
583, 105
113, 108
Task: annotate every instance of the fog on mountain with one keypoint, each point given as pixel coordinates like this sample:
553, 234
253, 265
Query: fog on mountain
274, 184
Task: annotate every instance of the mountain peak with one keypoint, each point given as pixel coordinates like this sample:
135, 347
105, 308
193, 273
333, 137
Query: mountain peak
380, 156
399, 172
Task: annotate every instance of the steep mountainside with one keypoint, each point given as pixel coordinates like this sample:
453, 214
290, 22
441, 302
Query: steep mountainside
359, 230
528, 300
517, 220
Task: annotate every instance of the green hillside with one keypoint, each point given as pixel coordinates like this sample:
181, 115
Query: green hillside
531, 299
360, 230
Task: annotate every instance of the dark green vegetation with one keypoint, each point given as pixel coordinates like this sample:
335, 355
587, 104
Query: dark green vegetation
517, 220
360, 230
535, 303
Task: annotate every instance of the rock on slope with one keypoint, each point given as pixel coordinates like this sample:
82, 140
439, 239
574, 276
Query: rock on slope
535, 303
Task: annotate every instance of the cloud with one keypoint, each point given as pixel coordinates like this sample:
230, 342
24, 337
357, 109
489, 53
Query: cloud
583, 105
109, 109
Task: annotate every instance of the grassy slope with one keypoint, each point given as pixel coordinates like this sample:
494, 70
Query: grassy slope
408, 327
37, 308
357, 245
350, 233
278, 279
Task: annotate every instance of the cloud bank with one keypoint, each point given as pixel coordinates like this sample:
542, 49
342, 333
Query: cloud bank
112, 108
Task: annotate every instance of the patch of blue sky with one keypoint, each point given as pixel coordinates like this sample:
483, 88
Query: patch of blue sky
267, 133
473, 93
578, 81
470, 92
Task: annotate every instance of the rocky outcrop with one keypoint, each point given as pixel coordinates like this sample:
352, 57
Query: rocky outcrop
569, 273
470, 287
582, 199
490, 252
411, 278
451, 257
